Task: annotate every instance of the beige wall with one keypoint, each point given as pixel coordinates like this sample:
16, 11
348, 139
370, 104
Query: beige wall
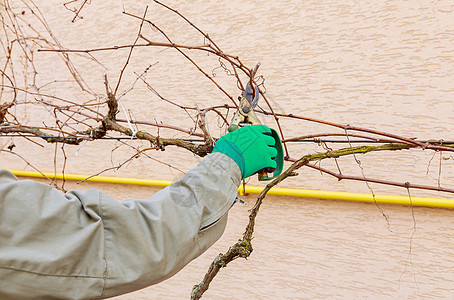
386, 65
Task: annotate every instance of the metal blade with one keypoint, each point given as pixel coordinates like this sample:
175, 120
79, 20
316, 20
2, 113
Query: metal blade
249, 95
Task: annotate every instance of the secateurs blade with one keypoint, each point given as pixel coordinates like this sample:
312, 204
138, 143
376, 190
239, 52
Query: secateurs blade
245, 116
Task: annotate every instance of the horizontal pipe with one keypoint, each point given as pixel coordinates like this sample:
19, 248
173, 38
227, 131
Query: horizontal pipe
106, 179
315, 194
359, 197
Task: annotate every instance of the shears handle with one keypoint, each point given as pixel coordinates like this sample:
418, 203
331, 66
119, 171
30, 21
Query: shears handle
246, 116
263, 174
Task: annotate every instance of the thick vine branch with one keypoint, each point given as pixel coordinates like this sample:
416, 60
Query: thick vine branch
243, 248
159, 142
68, 139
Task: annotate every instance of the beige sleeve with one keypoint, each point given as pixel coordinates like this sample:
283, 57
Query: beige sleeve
86, 245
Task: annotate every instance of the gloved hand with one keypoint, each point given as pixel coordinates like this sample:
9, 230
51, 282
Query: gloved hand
251, 147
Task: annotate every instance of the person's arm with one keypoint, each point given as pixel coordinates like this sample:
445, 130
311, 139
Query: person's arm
87, 245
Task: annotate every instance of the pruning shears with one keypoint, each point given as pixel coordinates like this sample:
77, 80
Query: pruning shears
246, 116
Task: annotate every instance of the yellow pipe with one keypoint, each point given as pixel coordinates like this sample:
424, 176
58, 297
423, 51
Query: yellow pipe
346, 196
360, 197
107, 179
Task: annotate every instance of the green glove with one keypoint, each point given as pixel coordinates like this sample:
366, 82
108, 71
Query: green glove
251, 147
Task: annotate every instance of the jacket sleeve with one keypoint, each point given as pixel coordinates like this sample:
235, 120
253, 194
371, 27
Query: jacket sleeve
86, 245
